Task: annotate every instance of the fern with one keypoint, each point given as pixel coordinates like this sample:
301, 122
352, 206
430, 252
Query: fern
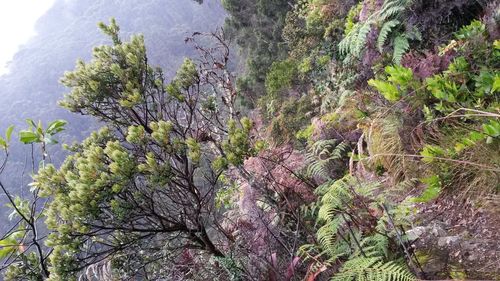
342, 205
364, 254
384, 33
388, 17
373, 269
372, 265
322, 155
354, 42
359, 43
392, 9
401, 45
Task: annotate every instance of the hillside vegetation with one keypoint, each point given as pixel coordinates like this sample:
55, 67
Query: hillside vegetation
67, 32
360, 141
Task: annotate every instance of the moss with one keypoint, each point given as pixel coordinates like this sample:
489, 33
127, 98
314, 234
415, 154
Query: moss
305, 134
294, 115
457, 273
422, 257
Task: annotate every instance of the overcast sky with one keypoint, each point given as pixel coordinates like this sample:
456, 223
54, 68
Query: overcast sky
17, 21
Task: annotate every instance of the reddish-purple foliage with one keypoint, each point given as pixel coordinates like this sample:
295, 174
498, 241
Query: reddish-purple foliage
372, 54
256, 224
491, 19
428, 64
279, 168
369, 7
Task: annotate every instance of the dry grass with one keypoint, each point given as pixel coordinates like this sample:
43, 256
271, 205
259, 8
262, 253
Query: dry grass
474, 182
382, 137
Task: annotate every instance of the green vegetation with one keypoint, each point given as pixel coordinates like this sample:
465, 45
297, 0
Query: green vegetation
368, 143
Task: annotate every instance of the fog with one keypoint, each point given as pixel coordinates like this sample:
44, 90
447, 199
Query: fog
17, 25
68, 31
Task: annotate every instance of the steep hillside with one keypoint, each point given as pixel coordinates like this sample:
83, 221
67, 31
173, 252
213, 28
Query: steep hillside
361, 142
67, 32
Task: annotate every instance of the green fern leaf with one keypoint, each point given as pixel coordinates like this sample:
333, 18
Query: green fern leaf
401, 45
392, 9
360, 42
384, 33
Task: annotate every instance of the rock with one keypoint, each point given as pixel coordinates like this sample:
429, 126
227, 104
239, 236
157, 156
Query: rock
448, 241
439, 252
415, 233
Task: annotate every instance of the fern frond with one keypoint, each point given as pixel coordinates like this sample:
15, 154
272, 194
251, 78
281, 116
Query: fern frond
392, 9
360, 42
364, 257
355, 268
407, 184
327, 212
384, 33
338, 192
327, 234
322, 156
373, 269
345, 44
305, 251
401, 45
354, 42
324, 188
379, 245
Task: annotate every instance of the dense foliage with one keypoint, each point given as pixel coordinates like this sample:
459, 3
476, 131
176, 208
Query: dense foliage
369, 151
67, 32
256, 26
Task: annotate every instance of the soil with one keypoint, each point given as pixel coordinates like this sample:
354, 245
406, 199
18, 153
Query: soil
465, 236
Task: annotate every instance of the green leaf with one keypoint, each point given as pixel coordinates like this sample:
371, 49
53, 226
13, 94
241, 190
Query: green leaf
399, 75
485, 83
56, 127
388, 90
401, 45
31, 123
441, 88
475, 28
492, 129
476, 136
384, 33
3, 143
496, 84
427, 113
7, 247
8, 133
28, 137
431, 151
431, 192
39, 128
